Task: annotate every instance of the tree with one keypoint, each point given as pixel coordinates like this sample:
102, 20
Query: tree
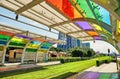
56, 49
77, 53
89, 53
52, 49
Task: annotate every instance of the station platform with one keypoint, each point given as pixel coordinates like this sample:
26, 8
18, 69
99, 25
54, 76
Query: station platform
105, 71
18, 66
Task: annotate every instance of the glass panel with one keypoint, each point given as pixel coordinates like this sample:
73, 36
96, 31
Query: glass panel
19, 40
1, 48
4, 37
114, 24
83, 4
84, 25
6, 33
56, 3
104, 37
97, 27
34, 44
92, 33
97, 38
101, 13
3, 42
118, 28
101, 28
39, 39
26, 37
46, 45
16, 44
42, 51
77, 14
105, 15
66, 7
107, 33
118, 11
31, 50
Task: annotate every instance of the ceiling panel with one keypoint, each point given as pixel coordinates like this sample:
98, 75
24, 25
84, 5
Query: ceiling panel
60, 29
42, 17
36, 18
75, 26
9, 5
79, 34
23, 1
86, 38
53, 11
45, 12
15, 3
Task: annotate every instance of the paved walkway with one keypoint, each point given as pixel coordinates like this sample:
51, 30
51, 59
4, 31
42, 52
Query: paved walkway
110, 68
17, 66
105, 71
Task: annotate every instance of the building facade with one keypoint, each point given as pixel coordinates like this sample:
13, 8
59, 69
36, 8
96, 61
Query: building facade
70, 42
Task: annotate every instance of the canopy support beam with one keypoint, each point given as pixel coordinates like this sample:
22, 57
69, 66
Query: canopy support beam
28, 6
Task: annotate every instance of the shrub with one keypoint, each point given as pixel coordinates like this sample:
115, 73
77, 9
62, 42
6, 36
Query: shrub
68, 59
77, 53
102, 61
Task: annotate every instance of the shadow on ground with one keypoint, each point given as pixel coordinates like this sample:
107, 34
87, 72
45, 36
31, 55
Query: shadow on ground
17, 72
64, 76
97, 75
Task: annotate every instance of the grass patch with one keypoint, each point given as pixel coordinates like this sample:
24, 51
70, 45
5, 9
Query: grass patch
61, 71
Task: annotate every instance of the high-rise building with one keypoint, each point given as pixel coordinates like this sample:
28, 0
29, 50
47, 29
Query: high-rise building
70, 42
86, 45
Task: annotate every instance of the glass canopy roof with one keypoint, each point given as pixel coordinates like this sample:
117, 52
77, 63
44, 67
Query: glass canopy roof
19, 40
94, 17
23, 39
34, 44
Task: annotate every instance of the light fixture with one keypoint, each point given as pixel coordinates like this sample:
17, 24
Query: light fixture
27, 33
94, 41
50, 29
16, 18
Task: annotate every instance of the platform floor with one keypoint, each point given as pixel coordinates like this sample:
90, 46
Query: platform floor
105, 71
17, 66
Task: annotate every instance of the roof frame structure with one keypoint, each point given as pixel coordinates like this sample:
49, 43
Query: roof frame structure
59, 21
30, 34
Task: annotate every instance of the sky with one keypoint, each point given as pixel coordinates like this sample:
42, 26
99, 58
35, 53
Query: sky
102, 46
97, 46
24, 26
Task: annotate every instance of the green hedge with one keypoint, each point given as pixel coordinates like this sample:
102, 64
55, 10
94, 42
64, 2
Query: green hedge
102, 61
68, 59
